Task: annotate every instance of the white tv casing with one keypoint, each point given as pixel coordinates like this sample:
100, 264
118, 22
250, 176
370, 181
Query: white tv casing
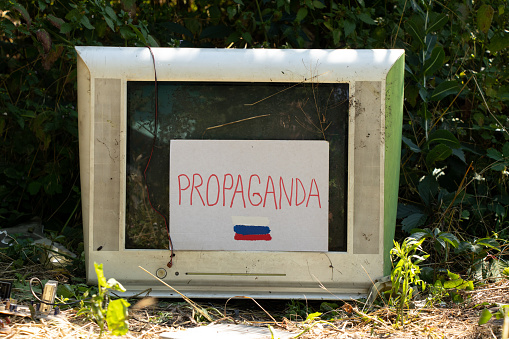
375, 79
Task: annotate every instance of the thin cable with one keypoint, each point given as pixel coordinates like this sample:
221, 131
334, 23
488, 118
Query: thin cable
170, 263
48, 303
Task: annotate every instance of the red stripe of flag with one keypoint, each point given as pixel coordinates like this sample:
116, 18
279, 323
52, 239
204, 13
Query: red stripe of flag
252, 237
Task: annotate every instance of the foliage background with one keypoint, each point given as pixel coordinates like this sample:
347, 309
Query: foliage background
455, 155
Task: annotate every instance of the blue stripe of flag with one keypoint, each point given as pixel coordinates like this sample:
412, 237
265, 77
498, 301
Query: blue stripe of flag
247, 230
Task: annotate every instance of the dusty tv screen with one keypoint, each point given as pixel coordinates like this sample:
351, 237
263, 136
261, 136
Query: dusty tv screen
227, 111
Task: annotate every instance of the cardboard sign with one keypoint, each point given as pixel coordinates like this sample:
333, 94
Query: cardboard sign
248, 195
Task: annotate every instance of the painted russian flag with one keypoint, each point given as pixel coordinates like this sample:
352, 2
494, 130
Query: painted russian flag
251, 228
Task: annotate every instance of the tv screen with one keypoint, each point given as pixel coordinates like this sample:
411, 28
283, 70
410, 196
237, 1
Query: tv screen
227, 111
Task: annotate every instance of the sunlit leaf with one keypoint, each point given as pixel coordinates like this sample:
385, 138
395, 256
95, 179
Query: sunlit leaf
116, 316
485, 316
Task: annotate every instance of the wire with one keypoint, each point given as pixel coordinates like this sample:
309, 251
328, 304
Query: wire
48, 303
170, 263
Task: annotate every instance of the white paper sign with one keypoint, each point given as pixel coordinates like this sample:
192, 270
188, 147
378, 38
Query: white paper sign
249, 195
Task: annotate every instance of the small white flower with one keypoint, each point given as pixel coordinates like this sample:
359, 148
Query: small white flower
478, 177
438, 172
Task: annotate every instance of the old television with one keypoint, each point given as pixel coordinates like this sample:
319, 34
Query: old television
270, 173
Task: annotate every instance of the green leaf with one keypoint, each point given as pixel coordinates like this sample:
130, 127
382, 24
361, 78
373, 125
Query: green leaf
349, 27
111, 13
85, 22
318, 4
312, 316
484, 18
494, 154
413, 221
239, 2
140, 35
405, 210
101, 279
498, 43
116, 317
66, 28
23, 12
301, 14
436, 22
415, 27
506, 271
364, 17
450, 238
151, 41
485, 316
336, 36
109, 22
115, 285
445, 137
127, 33
435, 61
439, 153
428, 188
413, 147
489, 242
505, 150
34, 187
444, 89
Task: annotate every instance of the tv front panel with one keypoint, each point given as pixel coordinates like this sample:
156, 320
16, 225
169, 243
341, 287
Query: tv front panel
276, 170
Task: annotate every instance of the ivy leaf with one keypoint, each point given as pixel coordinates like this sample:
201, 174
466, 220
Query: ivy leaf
435, 61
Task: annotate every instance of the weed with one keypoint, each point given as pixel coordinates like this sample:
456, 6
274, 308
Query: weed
405, 274
114, 314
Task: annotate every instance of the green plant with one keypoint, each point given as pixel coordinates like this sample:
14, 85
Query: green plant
115, 313
449, 285
405, 274
440, 241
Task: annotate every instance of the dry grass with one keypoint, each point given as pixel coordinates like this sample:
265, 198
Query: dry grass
450, 321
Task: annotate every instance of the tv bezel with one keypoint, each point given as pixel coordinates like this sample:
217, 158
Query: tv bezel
375, 80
